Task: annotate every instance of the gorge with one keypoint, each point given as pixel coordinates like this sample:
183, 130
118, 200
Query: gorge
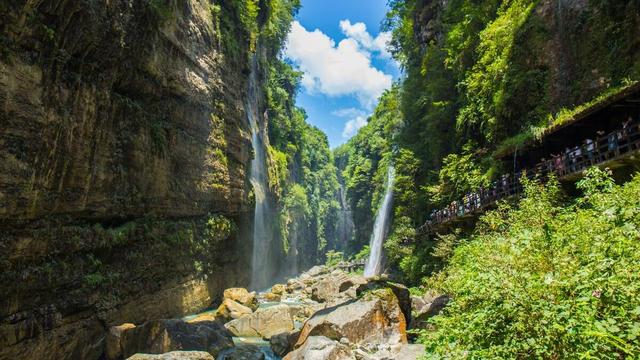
162, 192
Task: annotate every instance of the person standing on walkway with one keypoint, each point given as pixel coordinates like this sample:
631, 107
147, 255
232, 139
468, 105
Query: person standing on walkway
589, 148
577, 157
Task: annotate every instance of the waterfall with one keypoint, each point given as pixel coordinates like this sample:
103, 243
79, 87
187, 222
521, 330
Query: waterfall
345, 225
380, 228
262, 264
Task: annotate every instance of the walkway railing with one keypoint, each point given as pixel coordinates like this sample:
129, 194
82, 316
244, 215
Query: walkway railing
604, 148
351, 266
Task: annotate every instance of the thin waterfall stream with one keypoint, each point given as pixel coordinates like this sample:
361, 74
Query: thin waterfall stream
262, 264
380, 228
345, 220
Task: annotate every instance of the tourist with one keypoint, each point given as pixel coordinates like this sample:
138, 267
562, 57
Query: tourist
577, 155
589, 147
568, 160
612, 142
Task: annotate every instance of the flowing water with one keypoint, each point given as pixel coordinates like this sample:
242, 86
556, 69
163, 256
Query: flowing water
262, 262
345, 221
380, 228
252, 344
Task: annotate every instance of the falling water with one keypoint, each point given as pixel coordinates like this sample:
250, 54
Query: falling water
380, 229
345, 221
262, 264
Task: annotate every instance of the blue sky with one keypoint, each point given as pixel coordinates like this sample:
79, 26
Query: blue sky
340, 48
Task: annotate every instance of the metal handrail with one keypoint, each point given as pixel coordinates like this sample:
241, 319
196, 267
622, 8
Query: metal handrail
590, 153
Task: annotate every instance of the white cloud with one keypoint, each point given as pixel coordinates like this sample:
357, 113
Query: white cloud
352, 126
342, 69
359, 33
348, 112
357, 119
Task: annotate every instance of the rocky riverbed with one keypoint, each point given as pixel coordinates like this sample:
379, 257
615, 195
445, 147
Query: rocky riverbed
322, 314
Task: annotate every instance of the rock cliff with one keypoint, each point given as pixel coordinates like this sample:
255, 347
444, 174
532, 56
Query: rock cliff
124, 148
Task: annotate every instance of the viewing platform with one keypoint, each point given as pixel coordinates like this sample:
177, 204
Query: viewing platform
606, 135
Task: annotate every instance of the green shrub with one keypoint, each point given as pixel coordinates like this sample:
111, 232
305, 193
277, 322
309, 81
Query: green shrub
363, 254
547, 280
94, 280
334, 258
219, 228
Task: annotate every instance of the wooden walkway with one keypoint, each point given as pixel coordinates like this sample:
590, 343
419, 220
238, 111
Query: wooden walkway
603, 151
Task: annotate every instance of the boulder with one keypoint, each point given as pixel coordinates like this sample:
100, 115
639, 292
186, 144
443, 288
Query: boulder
207, 316
417, 303
283, 343
330, 286
113, 341
175, 355
430, 310
163, 336
294, 285
315, 272
278, 289
230, 310
242, 296
271, 297
264, 323
301, 312
320, 347
400, 291
376, 317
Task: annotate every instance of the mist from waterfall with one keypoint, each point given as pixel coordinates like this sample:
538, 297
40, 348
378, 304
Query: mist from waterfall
262, 268
380, 228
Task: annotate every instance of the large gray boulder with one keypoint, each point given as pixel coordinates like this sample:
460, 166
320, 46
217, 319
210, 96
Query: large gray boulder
336, 285
321, 348
264, 323
175, 355
376, 317
164, 336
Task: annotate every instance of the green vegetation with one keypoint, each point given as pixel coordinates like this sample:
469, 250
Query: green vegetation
546, 279
549, 277
365, 159
334, 258
162, 9
302, 173
482, 80
219, 228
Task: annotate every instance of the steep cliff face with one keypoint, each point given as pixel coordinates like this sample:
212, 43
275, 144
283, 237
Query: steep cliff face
511, 64
124, 148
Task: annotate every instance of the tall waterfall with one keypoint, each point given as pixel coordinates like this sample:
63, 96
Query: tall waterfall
345, 225
380, 228
262, 262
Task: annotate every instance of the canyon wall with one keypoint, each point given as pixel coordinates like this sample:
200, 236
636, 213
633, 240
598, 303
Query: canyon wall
124, 151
